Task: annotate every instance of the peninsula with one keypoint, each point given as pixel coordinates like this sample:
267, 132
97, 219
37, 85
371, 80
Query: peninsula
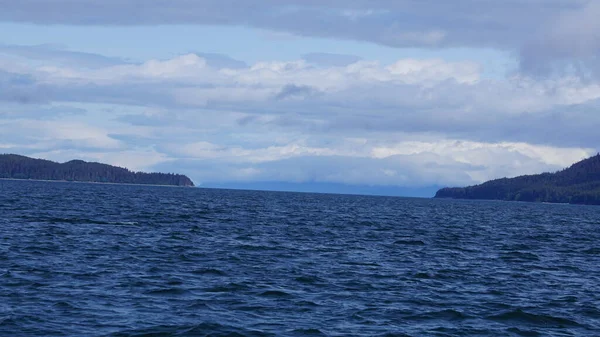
577, 184
14, 166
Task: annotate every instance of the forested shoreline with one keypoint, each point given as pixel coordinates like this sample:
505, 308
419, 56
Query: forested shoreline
577, 184
14, 166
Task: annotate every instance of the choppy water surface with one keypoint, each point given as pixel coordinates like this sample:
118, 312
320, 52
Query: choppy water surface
108, 260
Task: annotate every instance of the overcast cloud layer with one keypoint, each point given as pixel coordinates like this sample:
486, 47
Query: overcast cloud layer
547, 34
322, 118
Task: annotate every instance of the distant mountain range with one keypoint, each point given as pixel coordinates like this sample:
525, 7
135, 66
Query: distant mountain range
14, 166
578, 184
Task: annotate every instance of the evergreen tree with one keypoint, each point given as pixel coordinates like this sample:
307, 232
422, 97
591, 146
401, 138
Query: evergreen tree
577, 184
21, 167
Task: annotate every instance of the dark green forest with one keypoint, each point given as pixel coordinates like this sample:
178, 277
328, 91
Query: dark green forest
577, 184
20, 167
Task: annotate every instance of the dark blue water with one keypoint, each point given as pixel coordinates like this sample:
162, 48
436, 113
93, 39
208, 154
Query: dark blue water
109, 260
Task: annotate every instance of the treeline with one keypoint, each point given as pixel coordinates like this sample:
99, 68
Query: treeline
578, 184
20, 167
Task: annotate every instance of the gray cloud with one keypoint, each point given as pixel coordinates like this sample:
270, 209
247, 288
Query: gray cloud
38, 111
21, 88
56, 54
292, 91
548, 35
390, 22
486, 111
570, 45
220, 61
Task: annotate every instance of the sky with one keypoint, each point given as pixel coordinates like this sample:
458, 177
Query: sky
353, 96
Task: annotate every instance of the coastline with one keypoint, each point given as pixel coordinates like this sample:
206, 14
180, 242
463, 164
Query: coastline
93, 182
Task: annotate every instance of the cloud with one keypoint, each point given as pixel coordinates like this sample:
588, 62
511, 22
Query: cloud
410, 95
21, 88
409, 164
397, 23
547, 34
48, 134
58, 55
37, 111
220, 61
413, 122
292, 91
330, 60
569, 44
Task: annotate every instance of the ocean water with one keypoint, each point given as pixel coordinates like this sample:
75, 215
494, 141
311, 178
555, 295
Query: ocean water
108, 260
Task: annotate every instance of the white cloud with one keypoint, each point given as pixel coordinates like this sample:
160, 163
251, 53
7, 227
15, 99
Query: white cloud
419, 95
414, 122
435, 70
355, 14
45, 133
189, 80
239, 154
376, 162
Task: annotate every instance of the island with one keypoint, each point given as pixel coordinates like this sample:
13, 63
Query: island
577, 184
14, 166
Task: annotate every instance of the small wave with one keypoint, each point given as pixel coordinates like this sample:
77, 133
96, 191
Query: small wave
16, 322
9, 321
409, 242
424, 275
307, 303
525, 333
309, 279
204, 329
176, 236
231, 287
175, 282
65, 305
255, 247
209, 271
518, 256
89, 275
84, 221
592, 251
358, 263
448, 315
567, 299
275, 293
520, 316
309, 332
440, 274
124, 223
167, 292
591, 311
199, 305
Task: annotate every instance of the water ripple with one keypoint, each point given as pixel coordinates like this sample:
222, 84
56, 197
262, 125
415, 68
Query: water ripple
110, 260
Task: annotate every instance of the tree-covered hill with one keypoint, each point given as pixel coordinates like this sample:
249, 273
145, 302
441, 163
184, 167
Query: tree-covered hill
578, 184
20, 167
